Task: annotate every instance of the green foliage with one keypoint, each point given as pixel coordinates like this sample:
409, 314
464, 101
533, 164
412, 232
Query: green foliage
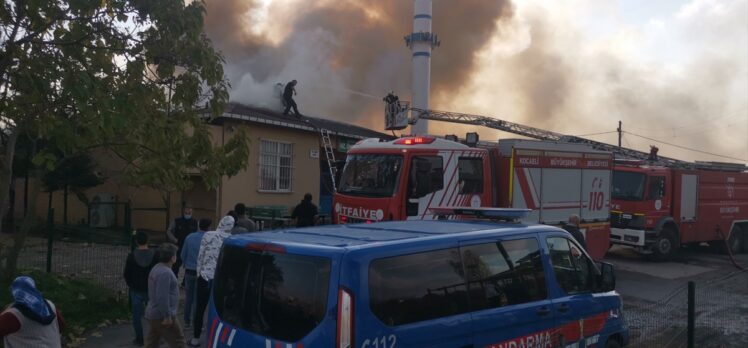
131, 76
135, 78
80, 302
75, 173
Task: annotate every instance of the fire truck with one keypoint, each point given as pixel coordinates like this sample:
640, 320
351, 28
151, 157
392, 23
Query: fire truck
403, 179
658, 207
655, 204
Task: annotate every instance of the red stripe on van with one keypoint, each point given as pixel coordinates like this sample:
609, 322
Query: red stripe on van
212, 332
224, 334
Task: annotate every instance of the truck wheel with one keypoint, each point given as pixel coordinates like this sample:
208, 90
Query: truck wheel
667, 243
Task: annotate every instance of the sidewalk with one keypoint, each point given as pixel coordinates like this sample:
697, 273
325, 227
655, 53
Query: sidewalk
122, 336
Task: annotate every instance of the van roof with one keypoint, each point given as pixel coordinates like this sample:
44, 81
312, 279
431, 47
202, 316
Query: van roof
363, 235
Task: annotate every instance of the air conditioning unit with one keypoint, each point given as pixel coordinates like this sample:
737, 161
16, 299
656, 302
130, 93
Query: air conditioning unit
102, 210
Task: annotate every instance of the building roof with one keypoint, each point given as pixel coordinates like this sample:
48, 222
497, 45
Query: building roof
254, 114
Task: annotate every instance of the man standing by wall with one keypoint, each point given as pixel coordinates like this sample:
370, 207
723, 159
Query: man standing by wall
163, 294
178, 231
241, 218
305, 213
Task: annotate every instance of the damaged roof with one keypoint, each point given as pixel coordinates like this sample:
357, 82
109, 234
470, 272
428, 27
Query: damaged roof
236, 111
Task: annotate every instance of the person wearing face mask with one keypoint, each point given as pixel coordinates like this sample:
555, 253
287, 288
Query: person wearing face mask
178, 231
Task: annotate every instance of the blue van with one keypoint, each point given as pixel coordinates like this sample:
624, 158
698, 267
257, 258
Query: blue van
450, 284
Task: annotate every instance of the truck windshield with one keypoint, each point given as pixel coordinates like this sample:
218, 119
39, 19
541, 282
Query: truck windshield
373, 175
628, 186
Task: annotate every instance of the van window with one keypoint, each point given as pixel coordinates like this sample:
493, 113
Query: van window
470, 175
416, 287
574, 270
504, 273
280, 296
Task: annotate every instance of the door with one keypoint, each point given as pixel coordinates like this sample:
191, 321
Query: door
508, 293
415, 300
580, 316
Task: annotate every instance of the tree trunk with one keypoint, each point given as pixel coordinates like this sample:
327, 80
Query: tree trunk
6, 173
19, 235
65, 205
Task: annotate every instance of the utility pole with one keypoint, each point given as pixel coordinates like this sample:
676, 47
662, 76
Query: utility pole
620, 133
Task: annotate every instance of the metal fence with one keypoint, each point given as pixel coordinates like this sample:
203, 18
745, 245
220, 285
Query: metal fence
79, 251
719, 314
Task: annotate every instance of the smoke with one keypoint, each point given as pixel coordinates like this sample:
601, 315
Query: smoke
345, 54
680, 77
677, 74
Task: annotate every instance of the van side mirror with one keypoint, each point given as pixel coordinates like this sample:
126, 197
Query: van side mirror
607, 277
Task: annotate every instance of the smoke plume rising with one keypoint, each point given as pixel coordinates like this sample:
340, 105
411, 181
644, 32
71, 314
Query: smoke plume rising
337, 48
577, 67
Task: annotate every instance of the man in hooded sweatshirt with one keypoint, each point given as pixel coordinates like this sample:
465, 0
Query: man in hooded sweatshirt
137, 267
207, 258
30, 320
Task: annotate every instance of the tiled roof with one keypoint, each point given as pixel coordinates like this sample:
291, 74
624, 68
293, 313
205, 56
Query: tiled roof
253, 114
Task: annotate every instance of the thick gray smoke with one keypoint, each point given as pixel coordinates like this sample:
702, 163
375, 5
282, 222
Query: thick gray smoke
681, 78
337, 48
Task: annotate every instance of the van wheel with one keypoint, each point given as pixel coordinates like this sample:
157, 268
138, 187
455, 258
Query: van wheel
665, 246
612, 343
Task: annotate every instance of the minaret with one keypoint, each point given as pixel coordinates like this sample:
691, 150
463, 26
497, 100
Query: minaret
421, 42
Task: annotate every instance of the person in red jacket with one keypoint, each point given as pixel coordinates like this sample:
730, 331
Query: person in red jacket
30, 320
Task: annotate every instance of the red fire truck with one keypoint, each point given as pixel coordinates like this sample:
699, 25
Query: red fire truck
403, 178
656, 209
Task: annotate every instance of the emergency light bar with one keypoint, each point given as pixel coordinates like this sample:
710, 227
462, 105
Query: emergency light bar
508, 214
414, 141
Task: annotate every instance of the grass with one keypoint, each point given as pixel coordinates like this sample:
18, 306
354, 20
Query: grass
83, 304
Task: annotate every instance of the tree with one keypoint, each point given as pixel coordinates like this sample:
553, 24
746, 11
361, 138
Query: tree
138, 78
72, 174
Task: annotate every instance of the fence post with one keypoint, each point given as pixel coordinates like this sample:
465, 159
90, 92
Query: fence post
50, 237
691, 313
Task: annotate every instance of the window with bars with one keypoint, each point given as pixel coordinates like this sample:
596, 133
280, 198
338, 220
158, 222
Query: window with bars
276, 166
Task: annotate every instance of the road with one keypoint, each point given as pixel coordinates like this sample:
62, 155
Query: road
655, 297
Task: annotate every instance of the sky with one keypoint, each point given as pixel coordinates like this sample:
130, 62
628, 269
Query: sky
673, 71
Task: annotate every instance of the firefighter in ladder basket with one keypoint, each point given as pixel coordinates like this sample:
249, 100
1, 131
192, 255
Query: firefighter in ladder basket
393, 106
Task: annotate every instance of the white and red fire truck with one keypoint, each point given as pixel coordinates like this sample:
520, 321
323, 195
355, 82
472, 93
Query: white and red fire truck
404, 178
658, 208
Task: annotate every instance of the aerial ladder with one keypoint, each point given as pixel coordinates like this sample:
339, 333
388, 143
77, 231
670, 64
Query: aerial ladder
399, 115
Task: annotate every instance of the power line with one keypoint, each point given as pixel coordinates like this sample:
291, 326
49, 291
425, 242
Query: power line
688, 148
591, 134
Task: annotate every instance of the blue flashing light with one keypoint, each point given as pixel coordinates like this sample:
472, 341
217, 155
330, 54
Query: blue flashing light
509, 214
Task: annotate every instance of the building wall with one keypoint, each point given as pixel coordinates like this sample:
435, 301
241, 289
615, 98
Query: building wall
245, 187
149, 206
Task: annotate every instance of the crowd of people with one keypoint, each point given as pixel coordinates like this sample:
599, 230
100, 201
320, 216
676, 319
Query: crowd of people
152, 276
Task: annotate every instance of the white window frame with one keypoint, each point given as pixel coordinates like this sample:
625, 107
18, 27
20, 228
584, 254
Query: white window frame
270, 166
